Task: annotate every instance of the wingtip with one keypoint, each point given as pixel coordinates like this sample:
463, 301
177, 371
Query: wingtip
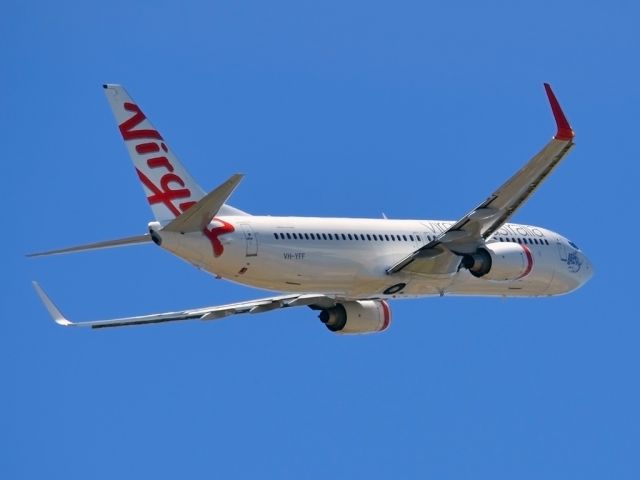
54, 311
565, 132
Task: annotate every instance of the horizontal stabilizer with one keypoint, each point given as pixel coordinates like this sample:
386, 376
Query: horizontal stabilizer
120, 242
198, 216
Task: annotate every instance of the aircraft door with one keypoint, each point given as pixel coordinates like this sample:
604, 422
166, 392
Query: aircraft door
250, 239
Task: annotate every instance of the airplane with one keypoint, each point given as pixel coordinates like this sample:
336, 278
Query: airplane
347, 269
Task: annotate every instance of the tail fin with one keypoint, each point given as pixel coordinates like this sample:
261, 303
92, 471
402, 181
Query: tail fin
169, 187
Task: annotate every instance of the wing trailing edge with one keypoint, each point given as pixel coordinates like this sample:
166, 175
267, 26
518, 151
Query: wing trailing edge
206, 313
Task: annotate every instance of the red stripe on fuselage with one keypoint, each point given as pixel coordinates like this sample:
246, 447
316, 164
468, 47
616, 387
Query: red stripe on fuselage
386, 312
214, 234
529, 256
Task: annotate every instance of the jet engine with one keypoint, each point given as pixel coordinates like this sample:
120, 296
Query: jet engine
500, 262
363, 316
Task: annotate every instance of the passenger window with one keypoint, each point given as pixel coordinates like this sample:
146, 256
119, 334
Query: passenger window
362, 236
411, 237
344, 237
288, 235
405, 237
349, 235
386, 237
324, 236
374, 236
368, 237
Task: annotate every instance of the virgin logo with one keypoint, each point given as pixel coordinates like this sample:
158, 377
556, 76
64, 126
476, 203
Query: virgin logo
172, 187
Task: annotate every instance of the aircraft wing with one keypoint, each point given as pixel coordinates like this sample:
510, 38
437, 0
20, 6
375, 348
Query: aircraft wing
206, 313
470, 232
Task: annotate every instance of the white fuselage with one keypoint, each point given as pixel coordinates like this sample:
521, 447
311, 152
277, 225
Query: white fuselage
349, 257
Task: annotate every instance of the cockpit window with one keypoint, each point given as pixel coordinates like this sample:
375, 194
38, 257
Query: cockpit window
574, 245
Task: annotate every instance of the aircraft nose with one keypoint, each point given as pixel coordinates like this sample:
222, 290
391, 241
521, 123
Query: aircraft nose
576, 270
588, 270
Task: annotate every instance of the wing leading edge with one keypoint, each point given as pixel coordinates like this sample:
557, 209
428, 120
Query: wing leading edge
205, 313
467, 234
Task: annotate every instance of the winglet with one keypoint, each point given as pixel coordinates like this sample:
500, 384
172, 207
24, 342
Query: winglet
564, 129
51, 307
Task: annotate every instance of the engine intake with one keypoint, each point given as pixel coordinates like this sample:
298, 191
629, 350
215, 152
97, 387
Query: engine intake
363, 316
500, 262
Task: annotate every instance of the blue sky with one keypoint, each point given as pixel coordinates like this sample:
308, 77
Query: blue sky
336, 108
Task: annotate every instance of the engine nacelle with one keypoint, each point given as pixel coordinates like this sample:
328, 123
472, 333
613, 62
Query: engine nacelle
500, 262
363, 316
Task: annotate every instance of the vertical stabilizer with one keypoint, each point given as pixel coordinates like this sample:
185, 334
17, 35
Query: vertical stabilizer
169, 188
